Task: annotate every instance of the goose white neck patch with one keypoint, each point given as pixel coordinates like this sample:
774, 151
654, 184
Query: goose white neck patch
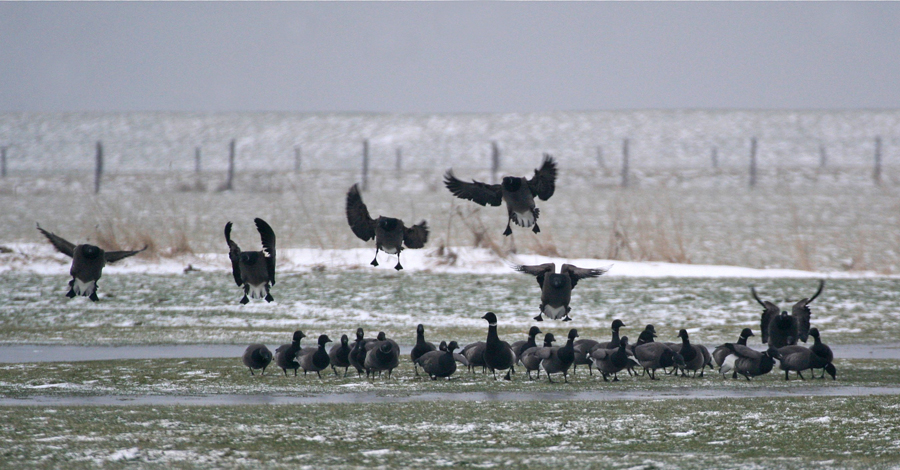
492, 324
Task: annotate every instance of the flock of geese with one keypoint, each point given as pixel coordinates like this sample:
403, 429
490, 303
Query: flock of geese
376, 355
254, 272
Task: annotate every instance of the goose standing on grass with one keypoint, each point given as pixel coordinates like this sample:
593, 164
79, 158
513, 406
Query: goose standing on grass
382, 356
823, 352
584, 347
87, 263
253, 270
558, 359
286, 354
783, 329
474, 354
518, 193
653, 355
339, 356
315, 359
695, 356
721, 352
530, 359
257, 356
611, 361
389, 233
441, 363
357, 355
521, 346
421, 347
556, 288
498, 354
749, 362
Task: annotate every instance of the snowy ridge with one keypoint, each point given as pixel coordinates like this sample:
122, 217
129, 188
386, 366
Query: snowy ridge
43, 259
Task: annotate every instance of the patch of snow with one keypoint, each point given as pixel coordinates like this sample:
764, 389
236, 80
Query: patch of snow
124, 454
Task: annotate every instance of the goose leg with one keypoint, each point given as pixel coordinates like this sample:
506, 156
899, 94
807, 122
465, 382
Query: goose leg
786, 375
71, 293
398, 266
93, 295
801, 375
375, 259
244, 299
508, 230
269, 297
251, 371
536, 229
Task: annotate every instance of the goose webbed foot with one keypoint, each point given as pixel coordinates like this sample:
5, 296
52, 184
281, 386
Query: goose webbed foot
536, 229
539, 317
71, 293
374, 262
245, 300
94, 297
251, 371
508, 230
566, 318
398, 266
269, 298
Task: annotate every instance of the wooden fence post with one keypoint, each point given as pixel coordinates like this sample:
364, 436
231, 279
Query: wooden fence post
495, 161
753, 162
365, 165
229, 180
98, 169
625, 163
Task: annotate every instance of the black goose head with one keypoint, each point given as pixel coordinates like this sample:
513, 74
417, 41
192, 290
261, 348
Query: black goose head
249, 257
491, 318
381, 336
90, 251
616, 324
683, 334
573, 333
558, 281
443, 346
623, 343
772, 353
344, 340
534, 331
548, 340
359, 334
831, 371
512, 183
420, 330
651, 329
646, 336
298, 335
814, 332
746, 333
784, 320
452, 346
388, 224
323, 340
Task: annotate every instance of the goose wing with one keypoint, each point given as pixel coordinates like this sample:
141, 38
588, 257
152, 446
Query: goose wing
267, 235
543, 183
113, 256
576, 274
61, 244
802, 313
770, 312
416, 236
234, 254
538, 271
362, 224
478, 192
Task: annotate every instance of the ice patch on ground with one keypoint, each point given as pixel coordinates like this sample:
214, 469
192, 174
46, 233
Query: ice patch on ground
42, 259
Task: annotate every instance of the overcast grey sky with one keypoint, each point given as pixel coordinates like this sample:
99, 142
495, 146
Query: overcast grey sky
447, 57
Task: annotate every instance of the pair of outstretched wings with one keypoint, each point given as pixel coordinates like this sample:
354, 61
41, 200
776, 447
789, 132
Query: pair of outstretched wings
800, 312
363, 225
575, 273
542, 185
68, 248
268, 242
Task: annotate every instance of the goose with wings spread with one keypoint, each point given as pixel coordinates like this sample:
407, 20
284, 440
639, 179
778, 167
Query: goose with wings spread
556, 288
783, 330
87, 263
389, 233
518, 193
253, 270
